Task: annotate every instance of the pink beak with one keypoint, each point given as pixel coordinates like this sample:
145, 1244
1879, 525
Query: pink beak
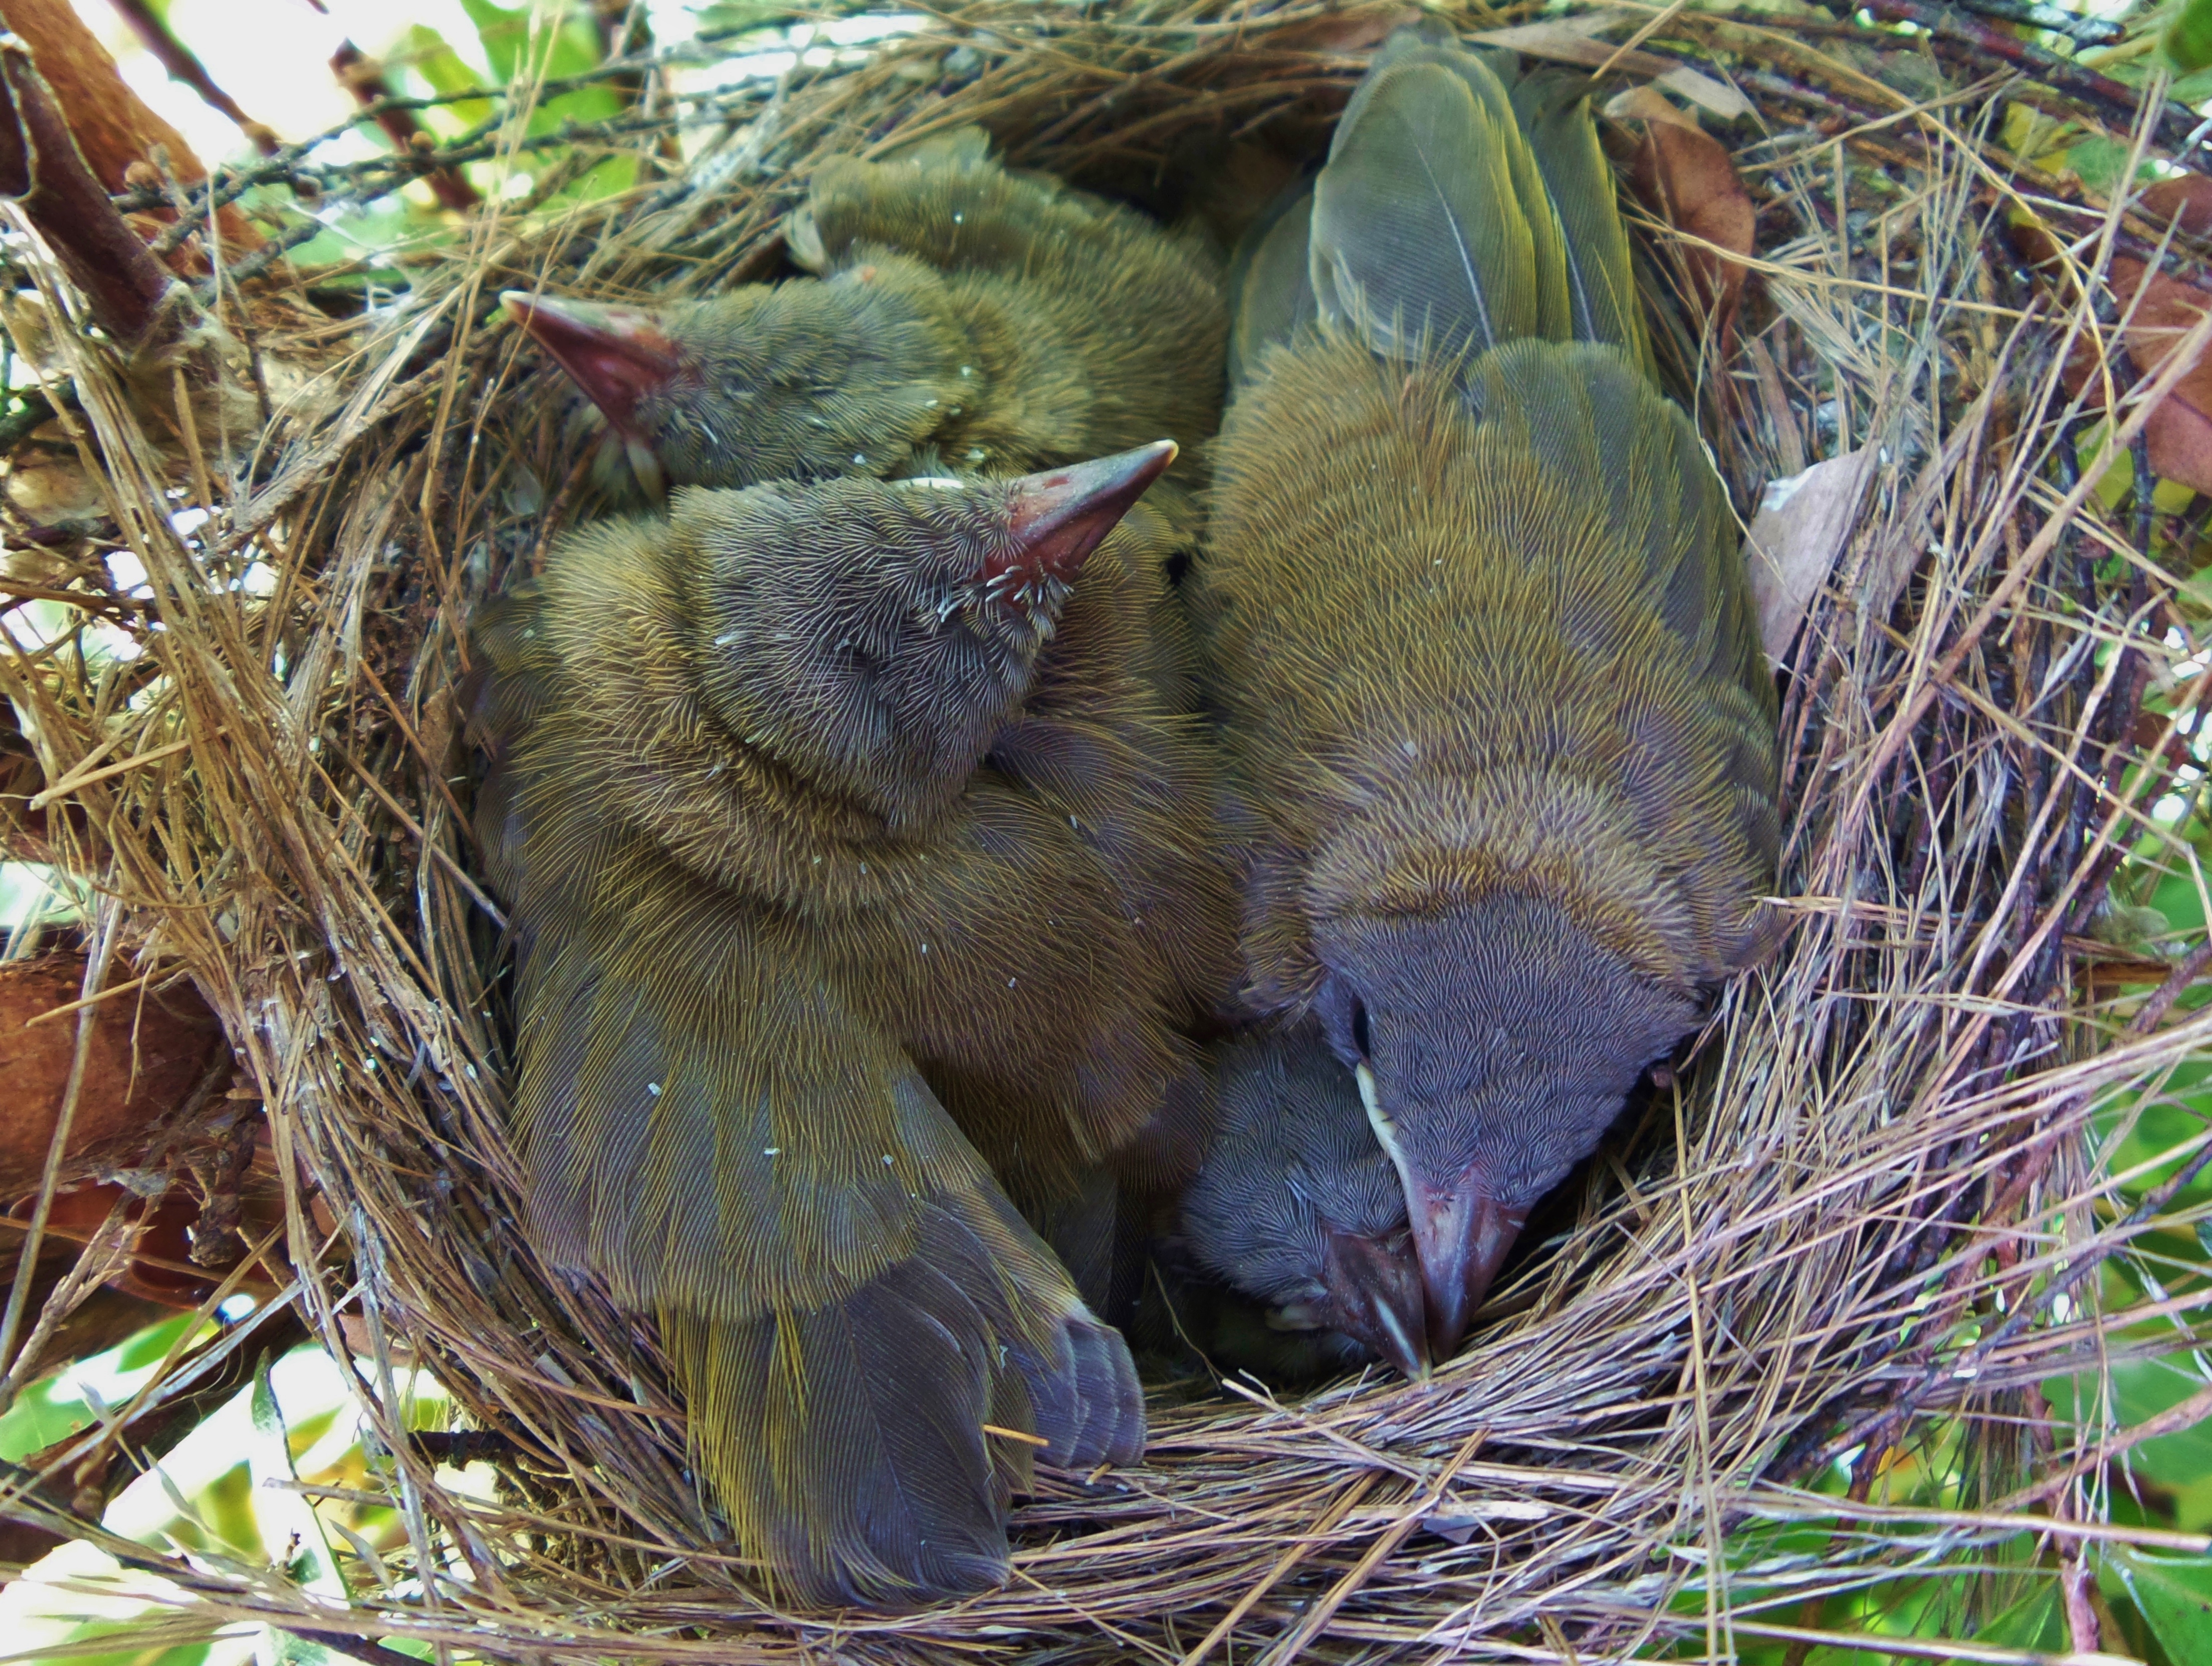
618, 356
1463, 1237
1056, 519
1375, 1297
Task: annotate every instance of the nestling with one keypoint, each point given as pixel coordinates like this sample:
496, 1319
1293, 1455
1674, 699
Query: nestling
966, 318
800, 964
1296, 1206
1494, 695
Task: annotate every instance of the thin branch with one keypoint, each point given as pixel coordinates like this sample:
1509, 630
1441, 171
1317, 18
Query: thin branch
133, 297
363, 76
183, 64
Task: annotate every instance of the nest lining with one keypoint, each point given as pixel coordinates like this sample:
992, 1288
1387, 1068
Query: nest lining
1846, 1225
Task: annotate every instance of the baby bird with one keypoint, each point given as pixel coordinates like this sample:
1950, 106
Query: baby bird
966, 318
799, 965
1480, 622
1296, 1206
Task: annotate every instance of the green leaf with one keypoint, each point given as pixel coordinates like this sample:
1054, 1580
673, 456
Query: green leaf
501, 32
150, 1346
427, 54
48, 1411
288, 1524
2034, 1622
392, 225
2142, 1388
505, 35
288, 1519
2175, 1596
2188, 38
39, 1418
2101, 163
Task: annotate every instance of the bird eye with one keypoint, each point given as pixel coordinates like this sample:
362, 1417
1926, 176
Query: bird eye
1360, 1028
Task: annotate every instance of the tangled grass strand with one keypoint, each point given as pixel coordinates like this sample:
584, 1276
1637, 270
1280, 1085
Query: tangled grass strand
1848, 1232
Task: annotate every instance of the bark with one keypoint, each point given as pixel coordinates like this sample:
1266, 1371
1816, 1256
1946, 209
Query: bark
112, 125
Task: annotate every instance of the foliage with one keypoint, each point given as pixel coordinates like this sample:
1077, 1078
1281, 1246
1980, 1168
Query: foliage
1837, 1574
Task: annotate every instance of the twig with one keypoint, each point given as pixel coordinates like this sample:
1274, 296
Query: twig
1295, 1554
2115, 100
2172, 1421
2152, 1012
184, 64
459, 874
361, 75
1904, 1404
84, 1002
132, 294
63, 788
430, 766
1417, 1510
2081, 31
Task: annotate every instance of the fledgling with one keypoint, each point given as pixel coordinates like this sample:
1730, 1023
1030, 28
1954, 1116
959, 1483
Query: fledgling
1481, 627
797, 960
1296, 1206
966, 319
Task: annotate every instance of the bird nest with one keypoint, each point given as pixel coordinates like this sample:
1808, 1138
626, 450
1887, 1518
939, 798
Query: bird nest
1862, 1220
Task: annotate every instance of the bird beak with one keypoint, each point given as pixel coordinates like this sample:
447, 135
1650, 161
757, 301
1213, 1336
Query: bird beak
1374, 1299
1056, 519
1461, 1238
1461, 1234
618, 355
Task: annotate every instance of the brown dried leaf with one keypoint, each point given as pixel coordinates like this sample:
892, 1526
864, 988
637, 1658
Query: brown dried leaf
1685, 176
2186, 195
1648, 103
2178, 434
1569, 40
1802, 525
1345, 32
146, 1056
2180, 431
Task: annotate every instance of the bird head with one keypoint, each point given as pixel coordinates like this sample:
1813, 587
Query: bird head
1491, 1042
1296, 1206
805, 381
873, 636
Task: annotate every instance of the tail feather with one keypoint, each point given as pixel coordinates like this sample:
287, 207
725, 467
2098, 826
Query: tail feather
1464, 206
850, 1442
1422, 240
1271, 286
845, 1441
1553, 109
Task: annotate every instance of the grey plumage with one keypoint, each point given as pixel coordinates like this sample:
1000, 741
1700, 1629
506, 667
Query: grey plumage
1295, 1205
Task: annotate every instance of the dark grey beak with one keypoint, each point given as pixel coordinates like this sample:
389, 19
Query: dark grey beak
1375, 1297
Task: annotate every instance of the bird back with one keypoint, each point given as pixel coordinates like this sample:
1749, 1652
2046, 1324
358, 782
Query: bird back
1093, 328
1472, 580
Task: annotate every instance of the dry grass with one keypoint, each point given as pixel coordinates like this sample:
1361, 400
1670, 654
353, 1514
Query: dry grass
1865, 1222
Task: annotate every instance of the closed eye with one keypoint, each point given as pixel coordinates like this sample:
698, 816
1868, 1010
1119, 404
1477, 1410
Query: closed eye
1359, 1039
